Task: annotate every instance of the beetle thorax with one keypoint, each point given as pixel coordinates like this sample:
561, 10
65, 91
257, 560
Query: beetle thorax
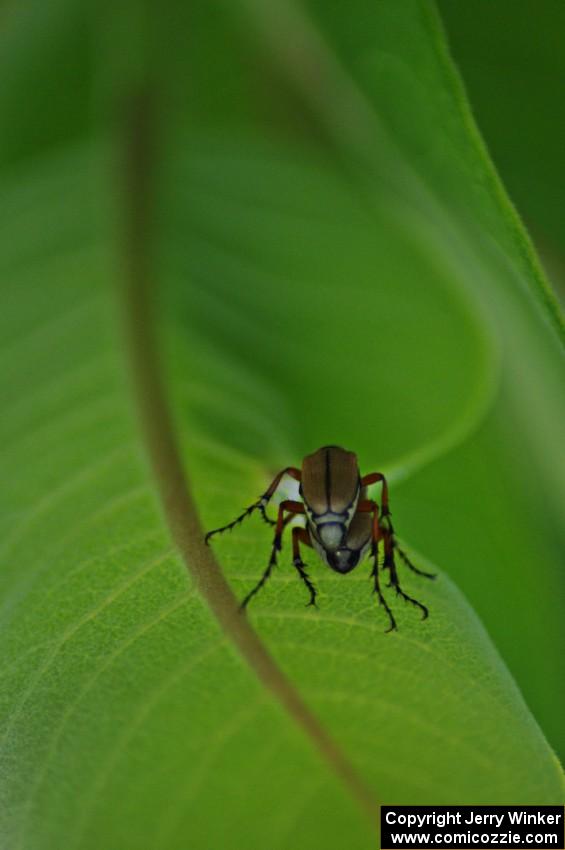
330, 528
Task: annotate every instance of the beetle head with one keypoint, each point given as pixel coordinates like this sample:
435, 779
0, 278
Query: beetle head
343, 560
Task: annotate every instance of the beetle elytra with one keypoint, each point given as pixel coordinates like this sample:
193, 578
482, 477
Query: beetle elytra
342, 525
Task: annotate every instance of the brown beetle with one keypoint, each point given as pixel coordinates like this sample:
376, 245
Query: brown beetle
342, 524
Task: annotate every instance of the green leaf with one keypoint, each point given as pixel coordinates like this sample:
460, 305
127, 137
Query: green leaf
368, 286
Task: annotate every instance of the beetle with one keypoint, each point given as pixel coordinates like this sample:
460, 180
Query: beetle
343, 525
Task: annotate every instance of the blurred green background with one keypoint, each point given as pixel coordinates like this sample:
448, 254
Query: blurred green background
512, 63
335, 260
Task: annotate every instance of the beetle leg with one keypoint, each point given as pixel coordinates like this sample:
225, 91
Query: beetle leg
258, 586
390, 565
369, 506
382, 600
257, 506
302, 535
292, 508
373, 478
260, 505
409, 563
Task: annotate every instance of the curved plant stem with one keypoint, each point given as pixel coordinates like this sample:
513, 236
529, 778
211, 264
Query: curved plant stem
157, 425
